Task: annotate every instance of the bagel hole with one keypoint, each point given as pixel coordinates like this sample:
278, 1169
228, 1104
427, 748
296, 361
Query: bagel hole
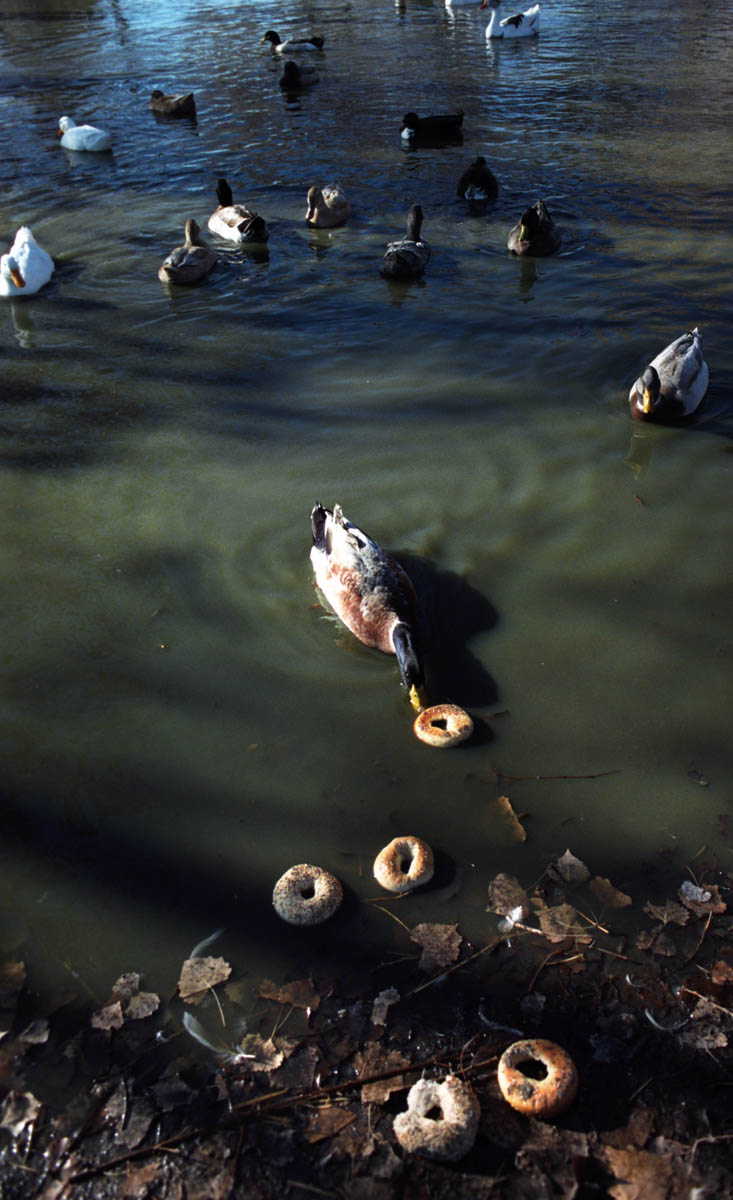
434, 1113
308, 891
532, 1068
405, 864
439, 723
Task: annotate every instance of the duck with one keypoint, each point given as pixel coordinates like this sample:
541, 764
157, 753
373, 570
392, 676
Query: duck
520, 24
673, 384
370, 592
535, 233
443, 127
183, 105
26, 267
407, 258
235, 222
191, 261
82, 137
295, 77
478, 182
327, 206
292, 45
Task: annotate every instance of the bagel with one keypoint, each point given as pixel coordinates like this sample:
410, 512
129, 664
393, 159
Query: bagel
443, 725
546, 1097
452, 1133
306, 895
406, 863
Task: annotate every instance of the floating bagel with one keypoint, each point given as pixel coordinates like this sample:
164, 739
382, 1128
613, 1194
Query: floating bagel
443, 725
306, 895
406, 863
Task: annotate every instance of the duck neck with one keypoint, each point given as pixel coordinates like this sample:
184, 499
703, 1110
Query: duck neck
492, 29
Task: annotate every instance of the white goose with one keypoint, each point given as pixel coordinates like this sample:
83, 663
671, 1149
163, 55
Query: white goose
521, 24
26, 267
82, 137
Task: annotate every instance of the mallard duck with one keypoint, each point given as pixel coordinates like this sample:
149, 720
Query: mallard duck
369, 592
233, 221
26, 267
535, 233
327, 206
673, 384
430, 130
82, 137
478, 182
408, 258
294, 77
191, 261
292, 45
173, 106
521, 24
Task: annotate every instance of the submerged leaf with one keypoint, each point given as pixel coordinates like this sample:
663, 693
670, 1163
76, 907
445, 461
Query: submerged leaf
514, 825
560, 922
609, 895
440, 944
262, 1055
327, 1121
506, 895
300, 993
382, 1004
200, 974
671, 911
571, 869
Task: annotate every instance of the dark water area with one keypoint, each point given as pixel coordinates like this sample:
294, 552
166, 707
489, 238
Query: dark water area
181, 720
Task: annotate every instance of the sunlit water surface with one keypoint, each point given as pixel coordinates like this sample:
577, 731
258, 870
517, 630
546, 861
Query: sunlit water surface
181, 721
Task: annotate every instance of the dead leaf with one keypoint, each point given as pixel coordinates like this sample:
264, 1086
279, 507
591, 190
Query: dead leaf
571, 869
137, 1181
506, 895
722, 972
516, 830
300, 993
560, 922
200, 974
671, 911
440, 944
373, 1061
18, 1110
327, 1121
664, 945
701, 901
142, 1005
261, 1054
640, 1175
298, 1071
109, 1017
12, 978
608, 895
382, 1004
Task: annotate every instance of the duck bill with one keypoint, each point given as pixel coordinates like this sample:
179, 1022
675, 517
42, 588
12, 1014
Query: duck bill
418, 698
647, 402
17, 278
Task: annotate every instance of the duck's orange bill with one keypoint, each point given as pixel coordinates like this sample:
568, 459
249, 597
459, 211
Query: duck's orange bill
16, 277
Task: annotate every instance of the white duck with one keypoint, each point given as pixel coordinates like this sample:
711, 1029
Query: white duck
327, 206
673, 384
521, 24
26, 267
82, 137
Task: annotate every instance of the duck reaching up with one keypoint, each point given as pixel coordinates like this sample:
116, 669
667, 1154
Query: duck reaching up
673, 384
294, 77
370, 592
407, 258
478, 182
82, 137
183, 105
433, 130
191, 261
520, 24
327, 206
292, 45
535, 233
235, 222
26, 267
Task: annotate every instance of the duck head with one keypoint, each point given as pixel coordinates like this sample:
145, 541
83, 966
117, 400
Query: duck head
272, 37
647, 389
410, 664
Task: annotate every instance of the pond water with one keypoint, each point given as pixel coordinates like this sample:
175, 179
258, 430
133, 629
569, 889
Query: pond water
181, 719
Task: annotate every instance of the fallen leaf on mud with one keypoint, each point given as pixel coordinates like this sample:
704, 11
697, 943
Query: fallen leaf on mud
373, 1061
12, 978
671, 911
511, 820
722, 972
440, 944
300, 993
261, 1054
701, 901
200, 974
18, 1110
109, 1017
382, 1004
506, 894
325, 1122
571, 869
608, 895
560, 922
640, 1175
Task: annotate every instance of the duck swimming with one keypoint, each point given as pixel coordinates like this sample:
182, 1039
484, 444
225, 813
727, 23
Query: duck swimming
292, 45
443, 127
294, 77
327, 206
407, 258
183, 105
521, 24
478, 182
535, 233
26, 267
235, 222
190, 262
369, 591
82, 137
673, 384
